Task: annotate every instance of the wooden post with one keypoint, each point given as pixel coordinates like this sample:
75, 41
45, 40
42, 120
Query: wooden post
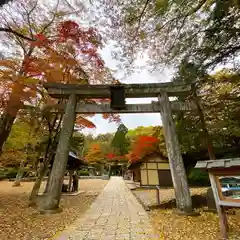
158, 195
220, 209
182, 194
109, 171
52, 200
70, 180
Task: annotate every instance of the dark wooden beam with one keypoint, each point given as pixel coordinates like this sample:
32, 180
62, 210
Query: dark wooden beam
153, 107
58, 90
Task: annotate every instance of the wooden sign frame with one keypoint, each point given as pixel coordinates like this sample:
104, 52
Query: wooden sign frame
216, 169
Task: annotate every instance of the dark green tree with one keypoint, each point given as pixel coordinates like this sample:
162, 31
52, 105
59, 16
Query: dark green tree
120, 142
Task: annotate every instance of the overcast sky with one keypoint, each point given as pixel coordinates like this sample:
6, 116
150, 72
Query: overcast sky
130, 120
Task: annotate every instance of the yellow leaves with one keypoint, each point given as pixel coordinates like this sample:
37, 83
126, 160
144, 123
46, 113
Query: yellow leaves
94, 153
53, 76
171, 226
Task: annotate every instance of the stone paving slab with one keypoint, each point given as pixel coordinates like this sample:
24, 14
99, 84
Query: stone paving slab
114, 215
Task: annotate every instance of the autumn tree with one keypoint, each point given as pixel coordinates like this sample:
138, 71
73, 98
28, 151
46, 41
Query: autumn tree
142, 146
96, 155
151, 131
17, 83
219, 101
23, 135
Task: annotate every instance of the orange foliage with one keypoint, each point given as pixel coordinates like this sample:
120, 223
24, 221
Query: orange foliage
71, 56
112, 117
83, 122
143, 146
94, 153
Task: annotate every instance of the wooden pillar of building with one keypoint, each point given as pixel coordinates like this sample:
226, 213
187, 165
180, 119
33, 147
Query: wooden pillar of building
182, 194
51, 203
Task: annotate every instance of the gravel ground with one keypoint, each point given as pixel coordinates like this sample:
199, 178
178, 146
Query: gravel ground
20, 222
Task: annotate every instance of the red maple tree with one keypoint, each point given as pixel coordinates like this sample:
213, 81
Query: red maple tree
143, 146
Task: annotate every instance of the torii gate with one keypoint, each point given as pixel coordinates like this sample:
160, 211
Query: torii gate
162, 91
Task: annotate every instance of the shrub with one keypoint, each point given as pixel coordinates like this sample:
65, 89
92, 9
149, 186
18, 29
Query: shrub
83, 173
11, 173
198, 177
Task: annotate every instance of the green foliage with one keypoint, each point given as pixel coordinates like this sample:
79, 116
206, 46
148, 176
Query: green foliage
22, 144
120, 142
198, 177
10, 173
83, 173
21, 135
77, 143
207, 32
161, 6
219, 95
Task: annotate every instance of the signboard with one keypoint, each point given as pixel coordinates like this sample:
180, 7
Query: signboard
224, 175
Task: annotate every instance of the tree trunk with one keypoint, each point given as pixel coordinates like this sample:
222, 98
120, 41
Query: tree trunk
206, 135
6, 122
61, 158
182, 194
42, 172
37, 184
47, 182
19, 175
13, 106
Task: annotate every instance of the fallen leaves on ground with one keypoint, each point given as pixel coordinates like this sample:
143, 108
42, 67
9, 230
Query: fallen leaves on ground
204, 227
171, 226
20, 222
148, 196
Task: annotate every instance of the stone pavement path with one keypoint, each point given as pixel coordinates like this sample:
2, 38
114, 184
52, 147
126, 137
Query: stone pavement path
114, 215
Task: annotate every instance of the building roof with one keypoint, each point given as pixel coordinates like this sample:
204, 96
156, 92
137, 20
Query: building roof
220, 163
137, 163
74, 161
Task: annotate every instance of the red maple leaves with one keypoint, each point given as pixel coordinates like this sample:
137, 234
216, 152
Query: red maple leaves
111, 156
143, 146
87, 41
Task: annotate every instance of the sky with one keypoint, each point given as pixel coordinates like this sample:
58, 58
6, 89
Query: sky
131, 121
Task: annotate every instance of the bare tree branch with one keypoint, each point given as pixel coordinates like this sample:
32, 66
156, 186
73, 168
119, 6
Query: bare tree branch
51, 21
9, 30
140, 18
28, 13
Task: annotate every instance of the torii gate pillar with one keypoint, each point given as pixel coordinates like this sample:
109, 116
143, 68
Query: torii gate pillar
182, 194
51, 203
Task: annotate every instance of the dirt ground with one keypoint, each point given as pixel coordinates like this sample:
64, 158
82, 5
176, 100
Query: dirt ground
173, 227
20, 222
